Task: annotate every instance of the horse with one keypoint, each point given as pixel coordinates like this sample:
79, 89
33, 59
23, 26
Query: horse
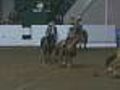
83, 36
46, 48
66, 49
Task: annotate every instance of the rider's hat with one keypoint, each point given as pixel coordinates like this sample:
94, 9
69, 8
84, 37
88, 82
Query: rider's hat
79, 18
51, 23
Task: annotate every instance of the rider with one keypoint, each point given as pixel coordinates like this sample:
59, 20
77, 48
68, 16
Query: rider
78, 24
51, 32
76, 29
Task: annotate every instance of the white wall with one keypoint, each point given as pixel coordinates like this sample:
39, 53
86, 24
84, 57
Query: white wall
99, 35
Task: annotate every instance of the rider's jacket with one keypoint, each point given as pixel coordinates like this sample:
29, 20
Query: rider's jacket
51, 31
76, 29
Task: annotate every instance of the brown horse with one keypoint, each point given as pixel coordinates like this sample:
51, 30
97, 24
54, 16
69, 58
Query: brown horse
66, 49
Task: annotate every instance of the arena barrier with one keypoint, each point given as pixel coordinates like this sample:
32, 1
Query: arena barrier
118, 37
99, 35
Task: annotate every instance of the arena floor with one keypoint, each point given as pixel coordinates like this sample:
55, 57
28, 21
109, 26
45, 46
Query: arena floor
20, 69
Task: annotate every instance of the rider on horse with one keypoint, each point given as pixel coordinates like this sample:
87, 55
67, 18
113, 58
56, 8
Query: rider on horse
76, 29
48, 42
51, 32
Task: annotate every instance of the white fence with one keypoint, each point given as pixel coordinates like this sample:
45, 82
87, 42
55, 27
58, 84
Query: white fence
99, 35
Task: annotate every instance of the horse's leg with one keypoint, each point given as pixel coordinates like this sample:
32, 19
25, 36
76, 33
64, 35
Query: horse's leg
69, 61
44, 51
71, 56
85, 46
54, 56
85, 42
52, 59
65, 58
60, 56
80, 44
41, 58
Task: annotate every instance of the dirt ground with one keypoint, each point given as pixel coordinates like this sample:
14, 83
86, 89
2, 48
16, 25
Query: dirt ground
20, 69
